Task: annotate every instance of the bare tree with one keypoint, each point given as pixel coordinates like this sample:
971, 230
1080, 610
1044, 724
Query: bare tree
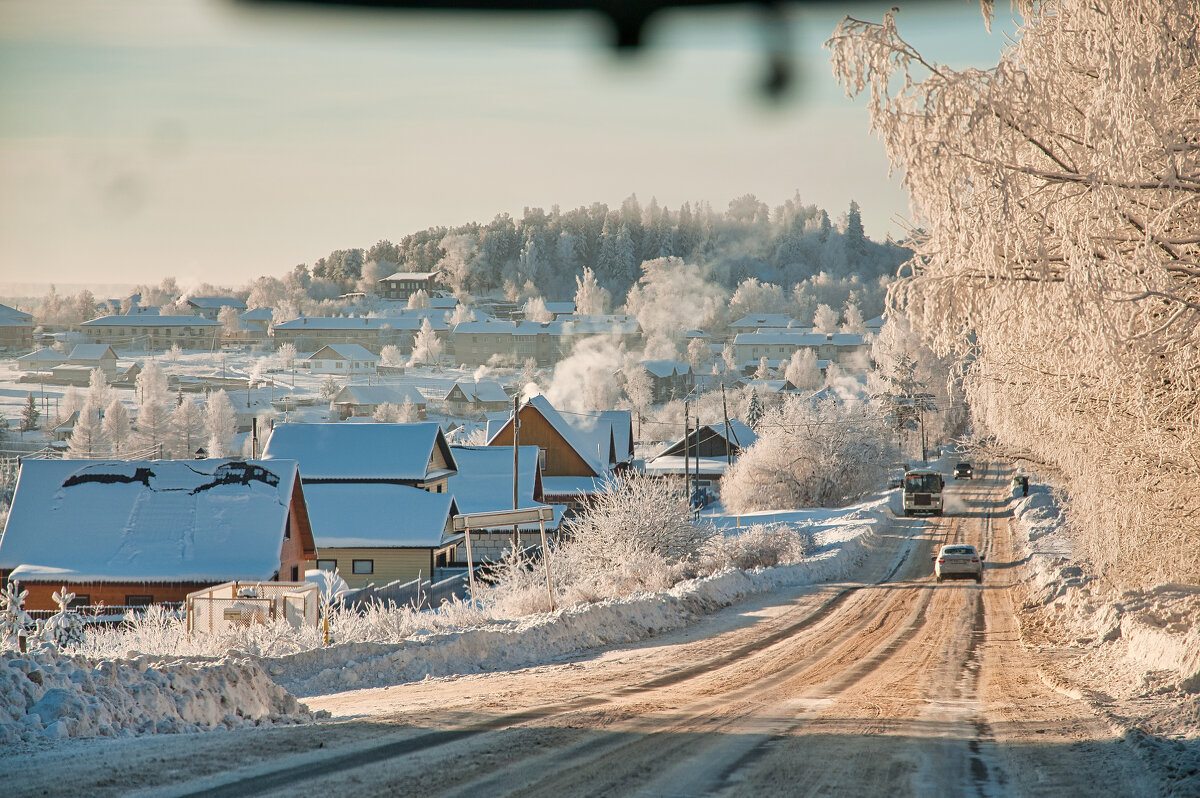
1058, 202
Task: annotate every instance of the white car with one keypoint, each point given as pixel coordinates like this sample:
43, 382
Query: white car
958, 561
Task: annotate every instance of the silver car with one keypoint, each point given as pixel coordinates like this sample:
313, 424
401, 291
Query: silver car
958, 561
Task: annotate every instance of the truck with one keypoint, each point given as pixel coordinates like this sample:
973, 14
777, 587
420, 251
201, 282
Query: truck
923, 492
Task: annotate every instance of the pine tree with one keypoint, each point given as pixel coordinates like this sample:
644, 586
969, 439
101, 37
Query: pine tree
29, 416
754, 411
220, 421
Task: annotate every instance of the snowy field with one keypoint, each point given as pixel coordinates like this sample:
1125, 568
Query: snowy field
46, 698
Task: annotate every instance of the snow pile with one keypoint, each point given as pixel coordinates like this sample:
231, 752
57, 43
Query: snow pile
1137, 653
48, 696
842, 544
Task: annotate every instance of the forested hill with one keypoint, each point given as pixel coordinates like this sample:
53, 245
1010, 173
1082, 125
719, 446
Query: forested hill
786, 245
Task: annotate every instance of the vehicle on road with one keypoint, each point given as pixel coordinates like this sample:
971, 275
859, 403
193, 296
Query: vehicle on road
958, 561
923, 492
963, 471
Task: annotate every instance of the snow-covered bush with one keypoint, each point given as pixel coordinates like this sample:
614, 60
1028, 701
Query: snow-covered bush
13, 618
757, 546
65, 629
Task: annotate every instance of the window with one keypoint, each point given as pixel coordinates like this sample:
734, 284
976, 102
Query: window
363, 567
542, 456
327, 565
138, 601
80, 600
295, 573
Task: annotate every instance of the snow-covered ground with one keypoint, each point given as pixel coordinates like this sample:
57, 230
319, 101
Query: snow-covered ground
147, 694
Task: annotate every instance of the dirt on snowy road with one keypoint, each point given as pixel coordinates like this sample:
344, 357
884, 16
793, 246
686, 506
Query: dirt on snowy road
887, 685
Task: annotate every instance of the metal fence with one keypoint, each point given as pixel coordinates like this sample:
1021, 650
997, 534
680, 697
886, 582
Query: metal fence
105, 614
420, 594
243, 603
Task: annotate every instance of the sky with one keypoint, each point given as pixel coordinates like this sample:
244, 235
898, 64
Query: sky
213, 141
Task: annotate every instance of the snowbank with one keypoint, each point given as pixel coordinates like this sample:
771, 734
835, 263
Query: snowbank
842, 541
46, 696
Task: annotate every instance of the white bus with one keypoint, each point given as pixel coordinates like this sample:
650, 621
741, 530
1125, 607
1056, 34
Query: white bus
923, 493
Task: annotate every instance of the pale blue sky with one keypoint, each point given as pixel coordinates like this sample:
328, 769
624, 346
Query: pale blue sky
141, 138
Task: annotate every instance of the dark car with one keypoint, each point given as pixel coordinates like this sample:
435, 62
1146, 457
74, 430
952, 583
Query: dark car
963, 471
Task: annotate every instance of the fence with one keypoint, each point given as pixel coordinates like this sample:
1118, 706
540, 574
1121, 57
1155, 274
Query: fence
419, 594
241, 604
106, 615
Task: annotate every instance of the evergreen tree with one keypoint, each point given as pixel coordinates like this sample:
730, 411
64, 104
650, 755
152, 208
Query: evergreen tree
29, 416
754, 411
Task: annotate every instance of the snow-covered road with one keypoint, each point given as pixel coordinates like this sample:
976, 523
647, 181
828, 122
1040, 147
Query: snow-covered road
888, 684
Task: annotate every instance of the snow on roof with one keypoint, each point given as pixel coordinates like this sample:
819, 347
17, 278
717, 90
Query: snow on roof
766, 320
43, 356
482, 391
798, 338
378, 394
567, 488
357, 452
259, 314
360, 323
560, 307
589, 439
671, 464
91, 352
148, 520
665, 368
377, 515
147, 320
443, 302
12, 317
345, 352
620, 324
484, 479
216, 302
410, 276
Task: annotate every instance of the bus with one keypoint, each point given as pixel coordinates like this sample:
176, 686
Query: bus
923, 493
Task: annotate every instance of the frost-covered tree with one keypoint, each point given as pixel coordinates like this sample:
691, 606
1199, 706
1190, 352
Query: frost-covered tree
754, 296
387, 413
428, 346
462, 313
729, 358
65, 628
807, 455
763, 372
407, 412
329, 388
591, 299
154, 433
220, 423
116, 427
286, 355
99, 392
754, 410
698, 353
152, 384
1059, 192
535, 310
88, 441
802, 370
853, 320
673, 296
30, 414
390, 356
419, 300
14, 620
187, 426
825, 320
231, 322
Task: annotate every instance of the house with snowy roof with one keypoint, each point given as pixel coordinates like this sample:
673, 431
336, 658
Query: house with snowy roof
41, 360
364, 400
850, 351
341, 359
704, 455
310, 333
95, 356
138, 532
153, 332
377, 493
669, 379
484, 483
402, 285
766, 321
210, 307
578, 452
476, 398
16, 330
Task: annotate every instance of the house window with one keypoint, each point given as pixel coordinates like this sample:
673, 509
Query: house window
542, 456
363, 567
327, 565
80, 600
138, 600
295, 573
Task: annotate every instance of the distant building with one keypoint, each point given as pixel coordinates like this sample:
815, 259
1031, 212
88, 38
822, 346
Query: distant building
476, 398
310, 333
148, 332
209, 307
342, 359
850, 351
16, 330
364, 400
669, 379
402, 285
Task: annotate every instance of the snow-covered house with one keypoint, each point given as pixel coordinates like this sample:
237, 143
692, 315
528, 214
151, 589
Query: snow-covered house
364, 400
258, 317
476, 398
341, 359
153, 332
705, 455
669, 379
209, 307
95, 356
849, 350
370, 487
578, 452
136, 532
484, 483
372, 532
402, 285
16, 330
41, 360
766, 321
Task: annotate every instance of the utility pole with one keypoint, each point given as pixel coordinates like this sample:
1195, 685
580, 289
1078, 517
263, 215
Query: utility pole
516, 539
687, 433
725, 412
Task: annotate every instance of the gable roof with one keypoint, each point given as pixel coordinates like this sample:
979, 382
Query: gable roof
258, 314
408, 323
216, 302
344, 352
740, 435
361, 452
482, 391
43, 356
602, 440
147, 320
12, 316
377, 515
409, 276
666, 368
768, 320
91, 352
148, 520
378, 394
485, 475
